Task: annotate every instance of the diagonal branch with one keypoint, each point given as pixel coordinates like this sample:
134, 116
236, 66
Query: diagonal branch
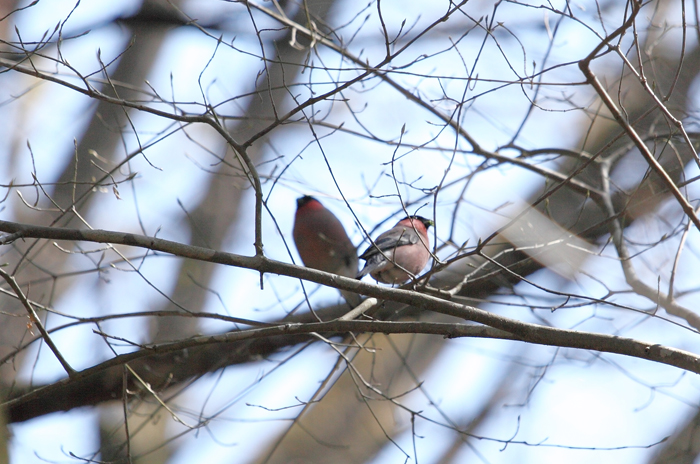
585, 66
34, 318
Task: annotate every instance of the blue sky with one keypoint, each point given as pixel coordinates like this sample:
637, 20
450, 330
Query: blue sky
578, 405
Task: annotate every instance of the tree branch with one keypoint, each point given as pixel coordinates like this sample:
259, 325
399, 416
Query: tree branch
287, 334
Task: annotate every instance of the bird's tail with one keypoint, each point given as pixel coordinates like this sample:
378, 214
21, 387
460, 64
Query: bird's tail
365, 270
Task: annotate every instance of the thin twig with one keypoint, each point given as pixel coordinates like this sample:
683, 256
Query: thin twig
34, 318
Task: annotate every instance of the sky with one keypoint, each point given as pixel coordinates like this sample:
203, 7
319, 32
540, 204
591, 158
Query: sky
577, 406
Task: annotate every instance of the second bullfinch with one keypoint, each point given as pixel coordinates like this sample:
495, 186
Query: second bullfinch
399, 253
323, 243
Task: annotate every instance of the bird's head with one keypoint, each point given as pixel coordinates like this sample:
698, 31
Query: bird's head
415, 221
426, 222
307, 200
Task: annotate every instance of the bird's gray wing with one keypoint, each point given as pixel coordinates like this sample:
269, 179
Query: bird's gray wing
390, 241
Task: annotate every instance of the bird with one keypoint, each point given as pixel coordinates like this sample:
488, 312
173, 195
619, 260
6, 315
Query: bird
323, 244
400, 253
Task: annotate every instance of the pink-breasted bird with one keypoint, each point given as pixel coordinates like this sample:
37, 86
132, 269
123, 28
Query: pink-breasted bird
399, 253
323, 243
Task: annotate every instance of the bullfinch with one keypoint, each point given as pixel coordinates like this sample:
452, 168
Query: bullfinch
399, 253
323, 243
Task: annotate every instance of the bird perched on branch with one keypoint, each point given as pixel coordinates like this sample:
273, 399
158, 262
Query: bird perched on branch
399, 253
323, 243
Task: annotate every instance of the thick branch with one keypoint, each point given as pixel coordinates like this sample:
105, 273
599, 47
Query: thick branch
286, 334
217, 351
